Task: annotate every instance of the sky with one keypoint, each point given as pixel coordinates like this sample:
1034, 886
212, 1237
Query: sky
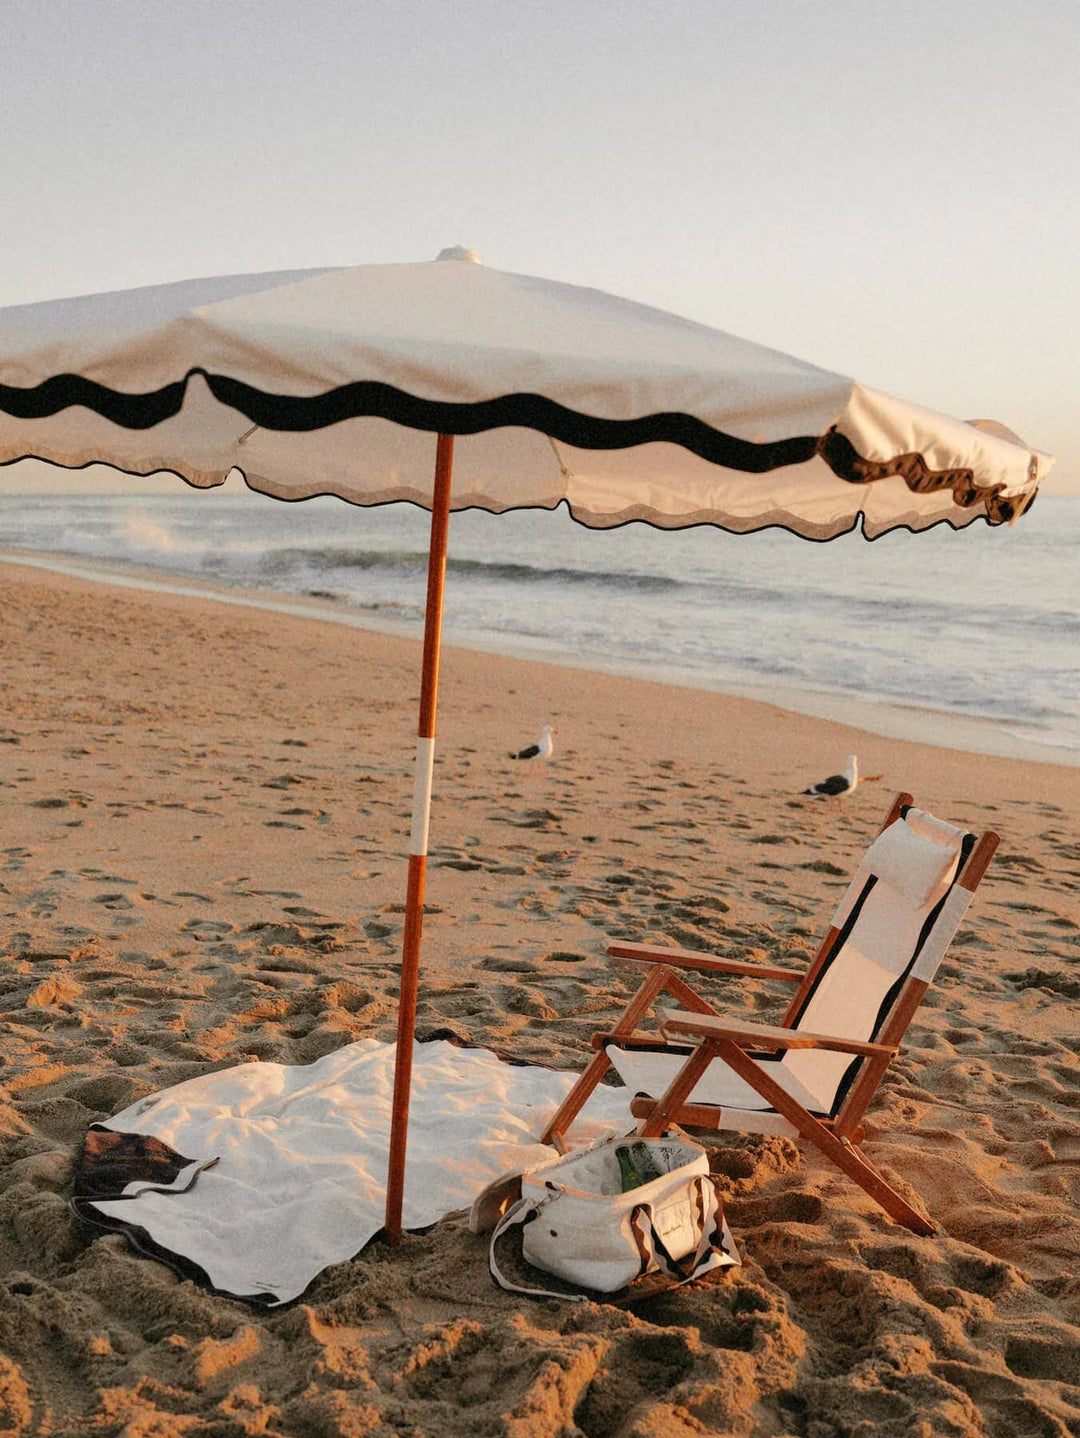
888, 190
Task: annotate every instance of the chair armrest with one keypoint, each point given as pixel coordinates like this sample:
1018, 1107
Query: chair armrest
703, 963
705, 1026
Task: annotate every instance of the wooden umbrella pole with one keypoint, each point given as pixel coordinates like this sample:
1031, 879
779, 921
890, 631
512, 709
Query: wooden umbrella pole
418, 841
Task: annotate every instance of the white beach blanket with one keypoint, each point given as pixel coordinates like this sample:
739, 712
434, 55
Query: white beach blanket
300, 1177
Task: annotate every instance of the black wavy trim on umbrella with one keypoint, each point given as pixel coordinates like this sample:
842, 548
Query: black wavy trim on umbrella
846, 463
64, 391
372, 399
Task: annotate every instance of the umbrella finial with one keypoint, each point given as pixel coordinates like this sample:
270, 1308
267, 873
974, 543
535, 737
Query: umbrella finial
458, 252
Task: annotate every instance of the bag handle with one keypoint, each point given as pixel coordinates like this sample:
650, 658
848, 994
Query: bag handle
524, 1211
710, 1252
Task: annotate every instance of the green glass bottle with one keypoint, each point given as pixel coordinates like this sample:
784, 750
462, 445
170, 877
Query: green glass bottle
645, 1165
627, 1171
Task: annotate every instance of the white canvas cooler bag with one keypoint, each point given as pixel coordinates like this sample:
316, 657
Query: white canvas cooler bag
578, 1223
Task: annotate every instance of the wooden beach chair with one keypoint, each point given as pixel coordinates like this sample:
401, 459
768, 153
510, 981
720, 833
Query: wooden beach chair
813, 1075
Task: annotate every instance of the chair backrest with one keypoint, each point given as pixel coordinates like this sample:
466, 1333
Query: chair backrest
892, 928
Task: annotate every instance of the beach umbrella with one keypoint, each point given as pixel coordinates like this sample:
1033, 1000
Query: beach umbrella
333, 381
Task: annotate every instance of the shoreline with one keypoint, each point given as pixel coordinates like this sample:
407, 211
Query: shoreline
890, 719
756, 738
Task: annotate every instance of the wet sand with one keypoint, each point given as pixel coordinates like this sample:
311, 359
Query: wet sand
203, 863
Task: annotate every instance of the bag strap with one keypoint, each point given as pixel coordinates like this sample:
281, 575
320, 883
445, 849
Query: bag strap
524, 1211
710, 1252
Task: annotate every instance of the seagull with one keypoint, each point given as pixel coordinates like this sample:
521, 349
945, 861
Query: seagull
837, 785
543, 750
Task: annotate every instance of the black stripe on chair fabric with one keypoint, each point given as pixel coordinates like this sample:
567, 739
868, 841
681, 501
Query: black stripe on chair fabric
848, 1078
966, 846
838, 944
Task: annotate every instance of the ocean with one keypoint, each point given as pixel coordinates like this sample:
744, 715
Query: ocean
971, 638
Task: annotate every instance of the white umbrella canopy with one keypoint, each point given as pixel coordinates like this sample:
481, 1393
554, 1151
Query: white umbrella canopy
568, 395
333, 381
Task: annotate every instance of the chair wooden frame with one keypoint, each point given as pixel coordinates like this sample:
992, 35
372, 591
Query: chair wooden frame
717, 1037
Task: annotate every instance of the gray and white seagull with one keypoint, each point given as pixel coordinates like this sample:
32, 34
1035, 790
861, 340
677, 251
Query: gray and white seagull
543, 750
837, 786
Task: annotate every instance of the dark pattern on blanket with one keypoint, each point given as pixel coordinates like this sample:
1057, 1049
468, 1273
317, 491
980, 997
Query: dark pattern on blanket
109, 1161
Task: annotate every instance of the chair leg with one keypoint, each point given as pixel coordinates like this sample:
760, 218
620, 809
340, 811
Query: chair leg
869, 1178
574, 1101
842, 1152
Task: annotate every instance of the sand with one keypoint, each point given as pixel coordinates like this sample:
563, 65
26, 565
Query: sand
202, 863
